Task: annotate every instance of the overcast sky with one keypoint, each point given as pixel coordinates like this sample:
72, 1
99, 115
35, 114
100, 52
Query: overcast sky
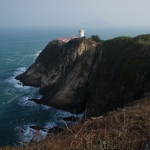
38, 13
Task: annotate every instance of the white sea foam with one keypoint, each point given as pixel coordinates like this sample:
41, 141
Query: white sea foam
63, 114
50, 125
37, 54
14, 82
24, 101
28, 134
20, 70
45, 107
24, 90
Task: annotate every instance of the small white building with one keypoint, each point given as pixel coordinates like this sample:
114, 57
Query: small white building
81, 33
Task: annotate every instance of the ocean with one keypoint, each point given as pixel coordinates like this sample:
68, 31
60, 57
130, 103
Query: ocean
18, 50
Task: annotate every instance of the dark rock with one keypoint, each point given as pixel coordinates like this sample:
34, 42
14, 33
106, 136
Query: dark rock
61, 71
33, 99
55, 130
37, 128
98, 77
71, 118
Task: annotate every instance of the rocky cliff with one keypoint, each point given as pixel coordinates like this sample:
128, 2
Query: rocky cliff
62, 72
83, 74
121, 75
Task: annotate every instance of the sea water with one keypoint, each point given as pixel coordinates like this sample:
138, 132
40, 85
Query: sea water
18, 50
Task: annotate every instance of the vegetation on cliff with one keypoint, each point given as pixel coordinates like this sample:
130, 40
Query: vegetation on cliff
122, 129
86, 74
122, 75
95, 38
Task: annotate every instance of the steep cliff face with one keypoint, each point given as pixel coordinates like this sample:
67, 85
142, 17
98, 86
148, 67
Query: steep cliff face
122, 74
61, 72
84, 74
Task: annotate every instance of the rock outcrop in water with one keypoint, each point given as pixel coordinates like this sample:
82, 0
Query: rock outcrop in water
83, 74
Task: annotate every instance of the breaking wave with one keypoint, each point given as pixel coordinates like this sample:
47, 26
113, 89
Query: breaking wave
54, 118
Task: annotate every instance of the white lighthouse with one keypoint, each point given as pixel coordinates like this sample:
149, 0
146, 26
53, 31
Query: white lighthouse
81, 33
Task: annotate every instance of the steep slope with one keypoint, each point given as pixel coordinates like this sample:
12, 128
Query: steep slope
118, 130
124, 129
61, 71
84, 74
122, 74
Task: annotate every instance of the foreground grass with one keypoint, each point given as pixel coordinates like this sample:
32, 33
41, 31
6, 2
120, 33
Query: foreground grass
124, 129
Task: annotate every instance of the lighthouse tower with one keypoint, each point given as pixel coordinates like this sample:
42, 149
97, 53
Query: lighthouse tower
81, 33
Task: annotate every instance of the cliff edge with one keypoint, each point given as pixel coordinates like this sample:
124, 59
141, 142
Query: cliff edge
61, 72
83, 74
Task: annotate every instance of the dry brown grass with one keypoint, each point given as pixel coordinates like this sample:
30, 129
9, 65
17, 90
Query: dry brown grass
126, 129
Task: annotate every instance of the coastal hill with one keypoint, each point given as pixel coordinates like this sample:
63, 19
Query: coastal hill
83, 74
61, 71
122, 129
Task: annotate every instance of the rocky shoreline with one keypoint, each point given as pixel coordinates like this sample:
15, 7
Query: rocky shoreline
83, 74
60, 71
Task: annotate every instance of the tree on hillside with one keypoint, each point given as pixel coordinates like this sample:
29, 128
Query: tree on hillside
84, 37
95, 38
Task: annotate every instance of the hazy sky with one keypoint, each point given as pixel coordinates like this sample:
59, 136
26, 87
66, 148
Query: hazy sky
38, 13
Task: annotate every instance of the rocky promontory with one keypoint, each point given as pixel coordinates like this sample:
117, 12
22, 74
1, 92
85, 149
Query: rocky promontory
61, 72
85, 75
